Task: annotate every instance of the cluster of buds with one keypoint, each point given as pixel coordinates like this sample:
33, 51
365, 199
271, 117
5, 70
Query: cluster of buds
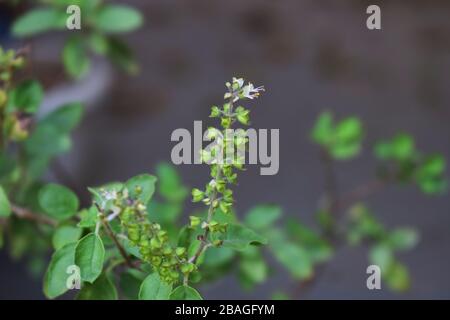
222, 156
14, 124
152, 241
10, 61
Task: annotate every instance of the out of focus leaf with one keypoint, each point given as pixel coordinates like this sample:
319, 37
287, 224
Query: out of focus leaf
262, 216
101, 289
5, 207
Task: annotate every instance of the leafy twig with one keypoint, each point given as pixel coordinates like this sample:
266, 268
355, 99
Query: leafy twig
119, 246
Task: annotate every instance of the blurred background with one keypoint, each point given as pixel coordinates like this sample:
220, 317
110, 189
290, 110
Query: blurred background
311, 55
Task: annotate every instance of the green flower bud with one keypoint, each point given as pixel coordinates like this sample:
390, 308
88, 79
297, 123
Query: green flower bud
3, 97
225, 206
180, 251
133, 235
195, 221
155, 243
155, 260
197, 195
138, 190
225, 122
221, 185
167, 250
217, 243
173, 276
187, 268
243, 118
215, 112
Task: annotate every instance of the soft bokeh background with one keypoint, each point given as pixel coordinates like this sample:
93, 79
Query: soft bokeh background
311, 55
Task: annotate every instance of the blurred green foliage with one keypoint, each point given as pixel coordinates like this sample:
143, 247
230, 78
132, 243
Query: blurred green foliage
101, 25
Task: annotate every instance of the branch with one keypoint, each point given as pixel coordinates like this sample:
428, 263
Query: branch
360, 192
26, 214
119, 246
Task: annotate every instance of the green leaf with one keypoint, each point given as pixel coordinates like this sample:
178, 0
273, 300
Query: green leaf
165, 214
89, 217
349, 130
130, 248
141, 187
402, 147
38, 21
55, 279
170, 186
262, 216
364, 225
344, 151
433, 185
118, 18
153, 288
318, 248
5, 207
130, 283
253, 270
75, 58
430, 175
98, 43
302, 233
239, 237
89, 256
403, 239
294, 258
26, 97
433, 165
101, 289
342, 141
397, 277
121, 55
47, 141
381, 255
58, 201
216, 257
65, 118
185, 293
64, 235
322, 132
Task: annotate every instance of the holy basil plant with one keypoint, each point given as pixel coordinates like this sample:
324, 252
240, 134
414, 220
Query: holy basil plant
129, 237
134, 238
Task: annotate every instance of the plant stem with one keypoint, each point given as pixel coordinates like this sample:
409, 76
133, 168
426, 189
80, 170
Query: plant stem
26, 214
360, 192
119, 246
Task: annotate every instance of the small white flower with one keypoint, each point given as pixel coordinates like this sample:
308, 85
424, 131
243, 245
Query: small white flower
250, 92
110, 195
239, 81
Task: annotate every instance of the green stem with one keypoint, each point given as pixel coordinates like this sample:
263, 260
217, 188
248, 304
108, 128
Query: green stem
204, 245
